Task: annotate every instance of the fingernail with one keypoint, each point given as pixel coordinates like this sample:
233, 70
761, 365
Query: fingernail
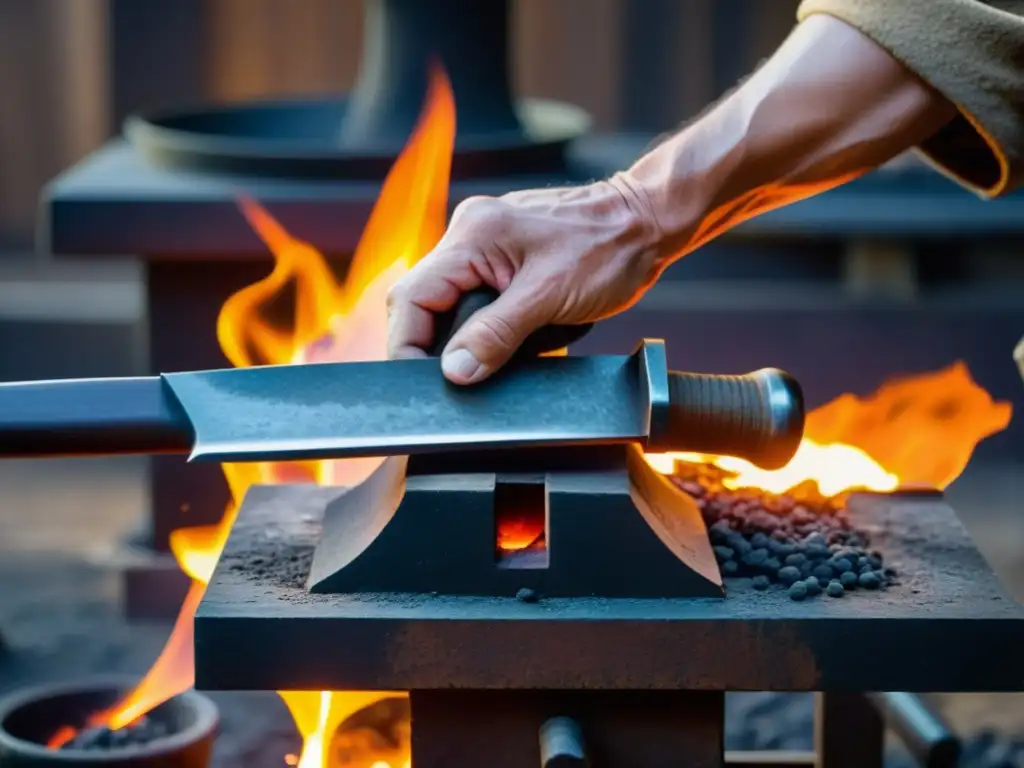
460, 364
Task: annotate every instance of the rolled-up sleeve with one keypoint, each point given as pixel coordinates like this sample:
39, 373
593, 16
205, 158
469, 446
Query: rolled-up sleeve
972, 52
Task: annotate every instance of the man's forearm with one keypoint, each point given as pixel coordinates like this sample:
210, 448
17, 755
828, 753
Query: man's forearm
827, 107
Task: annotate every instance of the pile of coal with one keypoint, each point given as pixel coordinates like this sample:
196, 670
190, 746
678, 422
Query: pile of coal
800, 540
142, 731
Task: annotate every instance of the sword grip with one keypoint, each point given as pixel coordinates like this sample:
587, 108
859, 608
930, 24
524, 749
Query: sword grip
758, 416
546, 339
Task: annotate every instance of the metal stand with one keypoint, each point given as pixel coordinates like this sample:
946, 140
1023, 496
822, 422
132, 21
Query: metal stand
849, 732
437, 533
559, 729
643, 729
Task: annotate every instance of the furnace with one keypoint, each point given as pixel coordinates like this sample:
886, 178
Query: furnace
507, 608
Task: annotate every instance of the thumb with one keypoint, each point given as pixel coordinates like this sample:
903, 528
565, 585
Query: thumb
492, 335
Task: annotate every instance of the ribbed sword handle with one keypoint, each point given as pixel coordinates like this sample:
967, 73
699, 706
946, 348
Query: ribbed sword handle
758, 416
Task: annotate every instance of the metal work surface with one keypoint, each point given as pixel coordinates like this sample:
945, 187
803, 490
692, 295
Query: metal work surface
335, 410
948, 625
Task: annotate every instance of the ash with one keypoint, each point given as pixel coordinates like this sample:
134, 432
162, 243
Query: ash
142, 731
802, 541
273, 561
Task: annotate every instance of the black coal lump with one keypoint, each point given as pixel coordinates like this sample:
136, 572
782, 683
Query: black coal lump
788, 575
797, 591
723, 553
781, 539
841, 565
835, 589
869, 580
823, 572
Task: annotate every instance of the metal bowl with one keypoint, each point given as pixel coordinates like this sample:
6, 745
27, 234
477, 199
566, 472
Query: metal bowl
29, 717
305, 139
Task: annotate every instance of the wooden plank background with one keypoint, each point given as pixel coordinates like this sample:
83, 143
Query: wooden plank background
68, 74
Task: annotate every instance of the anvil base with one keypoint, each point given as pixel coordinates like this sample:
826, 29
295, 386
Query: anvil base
947, 625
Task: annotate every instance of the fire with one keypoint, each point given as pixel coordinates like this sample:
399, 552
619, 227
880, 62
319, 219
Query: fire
915, 431
334, 320
520, 533
918, 430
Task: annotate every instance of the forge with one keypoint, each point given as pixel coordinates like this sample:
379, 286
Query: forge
372, 590
166, 192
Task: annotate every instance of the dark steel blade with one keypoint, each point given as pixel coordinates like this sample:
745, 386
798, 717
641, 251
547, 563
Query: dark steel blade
339, 410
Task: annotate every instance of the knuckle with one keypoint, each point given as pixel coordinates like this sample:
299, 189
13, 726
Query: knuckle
476, 212
498, 333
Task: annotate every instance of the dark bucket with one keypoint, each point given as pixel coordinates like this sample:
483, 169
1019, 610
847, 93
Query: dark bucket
29, 718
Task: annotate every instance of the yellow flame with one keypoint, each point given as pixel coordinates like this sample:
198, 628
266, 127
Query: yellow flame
334, 322
915, 431
835, 468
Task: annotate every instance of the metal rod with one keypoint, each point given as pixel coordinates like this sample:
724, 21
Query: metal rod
91, 417
928, 738
561, 744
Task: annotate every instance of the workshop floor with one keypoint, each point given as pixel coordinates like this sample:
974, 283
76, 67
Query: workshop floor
59, 521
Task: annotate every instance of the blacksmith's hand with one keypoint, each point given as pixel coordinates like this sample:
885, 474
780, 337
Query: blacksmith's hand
557, 256
828, 106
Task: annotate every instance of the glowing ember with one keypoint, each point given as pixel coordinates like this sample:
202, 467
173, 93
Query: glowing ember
915, 431
520, 533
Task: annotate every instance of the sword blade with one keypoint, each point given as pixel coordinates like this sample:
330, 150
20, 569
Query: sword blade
342, 410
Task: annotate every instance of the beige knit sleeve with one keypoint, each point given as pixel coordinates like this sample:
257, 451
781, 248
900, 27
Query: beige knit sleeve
970, 51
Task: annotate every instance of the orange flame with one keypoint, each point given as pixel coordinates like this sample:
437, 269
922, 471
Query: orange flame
333, 321
336, 321
915, 431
